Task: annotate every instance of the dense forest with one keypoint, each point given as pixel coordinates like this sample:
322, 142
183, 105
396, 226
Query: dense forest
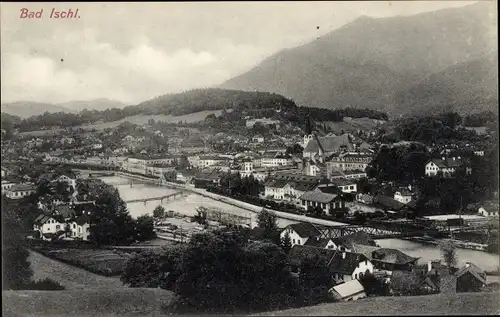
437, 129
242, 103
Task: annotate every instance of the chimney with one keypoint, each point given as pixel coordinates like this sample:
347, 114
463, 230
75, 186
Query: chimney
343, 255
467, 264
429, 266
443, 158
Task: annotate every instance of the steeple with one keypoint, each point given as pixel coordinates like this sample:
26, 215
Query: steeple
309, 125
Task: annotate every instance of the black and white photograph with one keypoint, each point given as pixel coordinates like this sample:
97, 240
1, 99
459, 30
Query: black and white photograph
272, 158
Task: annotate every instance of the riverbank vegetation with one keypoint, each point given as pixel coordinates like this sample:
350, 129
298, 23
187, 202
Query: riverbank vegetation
223, 271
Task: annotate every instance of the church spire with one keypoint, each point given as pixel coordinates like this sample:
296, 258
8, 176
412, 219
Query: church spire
309, 126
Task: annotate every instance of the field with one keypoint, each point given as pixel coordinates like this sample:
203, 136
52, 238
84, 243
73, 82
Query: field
457, 304
103, 262
71, 277
139, 120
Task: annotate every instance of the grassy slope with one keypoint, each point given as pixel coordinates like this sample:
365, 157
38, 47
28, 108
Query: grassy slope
71, 277
139, 120
86, 302
457, 304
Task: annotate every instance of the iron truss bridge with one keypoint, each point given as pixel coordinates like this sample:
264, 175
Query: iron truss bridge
380, 230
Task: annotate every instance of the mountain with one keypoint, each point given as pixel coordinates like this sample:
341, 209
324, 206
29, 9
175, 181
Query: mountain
26, 109
369, 62
465, 87
97, 104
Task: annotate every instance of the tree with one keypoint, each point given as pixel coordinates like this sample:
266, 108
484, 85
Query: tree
315, 280
373, 285
144, 227
159, 212
448, 252
16, 271
268, 221
110, 223
286, 242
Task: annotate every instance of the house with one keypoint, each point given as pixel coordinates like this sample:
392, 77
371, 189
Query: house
343, 266
185, 176
203, 178
446, 166
403, 195
208, 160
350, 161
49, 225
323, 243
354, 174
300, 233
352, 290
270, 159
348, 266
326, 201
20, 191
264, 121
389, 204
345, 185
489, 209
470, 278
392, 260
5, 172
69, 179
258, 139
6, 185
80, 227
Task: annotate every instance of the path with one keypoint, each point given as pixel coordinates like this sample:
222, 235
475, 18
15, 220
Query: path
71, 277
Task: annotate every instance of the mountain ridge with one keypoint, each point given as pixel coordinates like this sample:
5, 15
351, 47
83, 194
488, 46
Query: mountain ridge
370, 61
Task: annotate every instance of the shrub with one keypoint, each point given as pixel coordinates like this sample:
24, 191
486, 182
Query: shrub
45, 285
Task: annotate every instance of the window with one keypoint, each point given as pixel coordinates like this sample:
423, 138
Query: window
293, 241
74, 226
58, 227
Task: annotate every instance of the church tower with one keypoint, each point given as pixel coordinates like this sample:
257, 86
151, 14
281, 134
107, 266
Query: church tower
308, 136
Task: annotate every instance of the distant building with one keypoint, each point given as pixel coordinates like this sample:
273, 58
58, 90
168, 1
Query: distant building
446, 166
403, 195
20, 191
264, 121
352, 290
300, 233
326, 201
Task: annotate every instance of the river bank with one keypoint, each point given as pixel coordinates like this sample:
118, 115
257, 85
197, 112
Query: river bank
187, 206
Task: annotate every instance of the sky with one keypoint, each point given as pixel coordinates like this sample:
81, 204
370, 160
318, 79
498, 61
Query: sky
132, 52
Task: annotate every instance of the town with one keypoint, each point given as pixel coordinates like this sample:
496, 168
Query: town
341, 189
267, 158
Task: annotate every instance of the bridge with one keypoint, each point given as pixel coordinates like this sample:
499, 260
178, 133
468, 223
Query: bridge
384, 230
173, 196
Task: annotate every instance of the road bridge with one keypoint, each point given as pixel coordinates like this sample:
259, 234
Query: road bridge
172, 196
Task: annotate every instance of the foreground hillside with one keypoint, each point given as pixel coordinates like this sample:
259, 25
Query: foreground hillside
457, 304
151, 302
371, 61
86, 302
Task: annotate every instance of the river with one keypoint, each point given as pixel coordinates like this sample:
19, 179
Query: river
187, 206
